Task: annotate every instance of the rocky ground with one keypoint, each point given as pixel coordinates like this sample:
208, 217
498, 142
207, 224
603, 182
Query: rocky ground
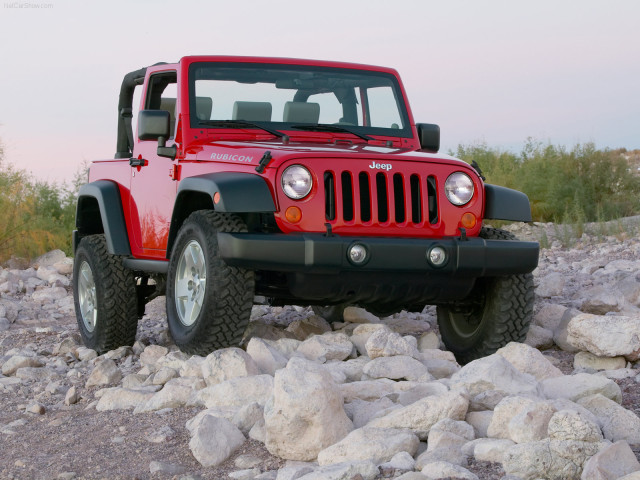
369, 398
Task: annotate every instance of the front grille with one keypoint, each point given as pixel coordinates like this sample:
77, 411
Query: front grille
380, 198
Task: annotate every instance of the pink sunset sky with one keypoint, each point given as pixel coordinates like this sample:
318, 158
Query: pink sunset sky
562, 71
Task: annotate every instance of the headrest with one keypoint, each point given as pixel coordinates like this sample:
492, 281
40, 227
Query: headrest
204, 105
301, 112
252, 111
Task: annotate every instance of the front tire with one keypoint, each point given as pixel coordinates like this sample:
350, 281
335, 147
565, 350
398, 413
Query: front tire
208, 302
104, 294
498, 311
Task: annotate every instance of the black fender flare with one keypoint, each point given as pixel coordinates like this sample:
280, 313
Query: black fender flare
236, 192
109, 219
503, 203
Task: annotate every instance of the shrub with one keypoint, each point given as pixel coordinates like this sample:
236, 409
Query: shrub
582, 184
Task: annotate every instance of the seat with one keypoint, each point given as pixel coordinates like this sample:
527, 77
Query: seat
169, 104
252, 111
301, 112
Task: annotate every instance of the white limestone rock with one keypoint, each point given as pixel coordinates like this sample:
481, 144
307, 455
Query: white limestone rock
531, 423
104, 373
529, 360
368, 443
305, 414
359, 315
228, 363
480, 422
617, 423
384, 343
325, 347
267, 358
587, 360
397, 367
495, 373
549, 459
606, 336
214, 440
362, 412
551, 285
539, 337
504, 411
151, 354
573, 425
574, 387
491, 449
611, 463
420, 416
442, 470
11, 366
123, 398
344, 471
235, 392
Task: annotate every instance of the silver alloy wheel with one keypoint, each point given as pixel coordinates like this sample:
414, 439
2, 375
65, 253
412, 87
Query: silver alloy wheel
87, 297
190, 283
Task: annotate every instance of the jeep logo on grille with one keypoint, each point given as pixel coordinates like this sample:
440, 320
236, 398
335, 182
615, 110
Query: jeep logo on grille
380, 166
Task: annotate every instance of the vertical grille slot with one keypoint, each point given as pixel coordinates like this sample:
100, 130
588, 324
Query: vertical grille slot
347, 196
398, 197
383, 198
432, 196
329, 196
416, 199
365, 197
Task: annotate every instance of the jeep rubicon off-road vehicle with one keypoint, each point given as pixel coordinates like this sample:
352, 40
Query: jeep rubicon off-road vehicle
302, 182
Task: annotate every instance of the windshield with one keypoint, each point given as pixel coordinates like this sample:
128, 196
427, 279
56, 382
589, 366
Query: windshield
295, 97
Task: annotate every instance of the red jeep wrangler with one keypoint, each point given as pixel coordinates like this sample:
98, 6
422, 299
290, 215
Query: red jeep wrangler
300, 181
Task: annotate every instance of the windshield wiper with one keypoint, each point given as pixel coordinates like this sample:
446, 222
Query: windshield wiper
330, 128
240, 124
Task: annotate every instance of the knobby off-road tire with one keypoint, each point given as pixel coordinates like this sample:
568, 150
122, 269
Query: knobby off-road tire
104, 294
208, 302
501, 313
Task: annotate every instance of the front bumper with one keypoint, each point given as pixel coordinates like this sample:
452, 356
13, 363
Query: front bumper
319, 254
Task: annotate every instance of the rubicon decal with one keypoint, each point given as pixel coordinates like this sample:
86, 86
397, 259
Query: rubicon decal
231, 158
380, 166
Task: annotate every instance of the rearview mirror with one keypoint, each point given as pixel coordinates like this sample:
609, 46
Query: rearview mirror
429, 135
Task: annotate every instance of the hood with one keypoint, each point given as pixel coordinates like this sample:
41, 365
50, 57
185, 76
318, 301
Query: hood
250, 152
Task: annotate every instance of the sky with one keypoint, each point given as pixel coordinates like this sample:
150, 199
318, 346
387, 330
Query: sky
487, 71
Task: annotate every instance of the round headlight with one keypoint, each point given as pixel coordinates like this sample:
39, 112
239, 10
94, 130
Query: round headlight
459, 188
296, 182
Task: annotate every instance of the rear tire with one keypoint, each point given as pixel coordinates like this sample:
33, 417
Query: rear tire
104, 294
208, 302
498, 311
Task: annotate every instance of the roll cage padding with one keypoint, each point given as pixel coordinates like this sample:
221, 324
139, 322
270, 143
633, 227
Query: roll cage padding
109, 217
503, 203
124, 142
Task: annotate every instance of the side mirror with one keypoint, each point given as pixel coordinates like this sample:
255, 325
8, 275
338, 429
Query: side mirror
153, 124
429, 135
156, 125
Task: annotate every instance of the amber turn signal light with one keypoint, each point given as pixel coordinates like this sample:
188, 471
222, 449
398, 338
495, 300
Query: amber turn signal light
293, 214
468, 220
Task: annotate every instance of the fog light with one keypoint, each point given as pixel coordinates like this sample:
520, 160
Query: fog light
358, 254
437, 256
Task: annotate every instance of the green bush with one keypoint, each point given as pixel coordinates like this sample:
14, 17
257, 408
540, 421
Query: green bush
35, 216
580, 185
